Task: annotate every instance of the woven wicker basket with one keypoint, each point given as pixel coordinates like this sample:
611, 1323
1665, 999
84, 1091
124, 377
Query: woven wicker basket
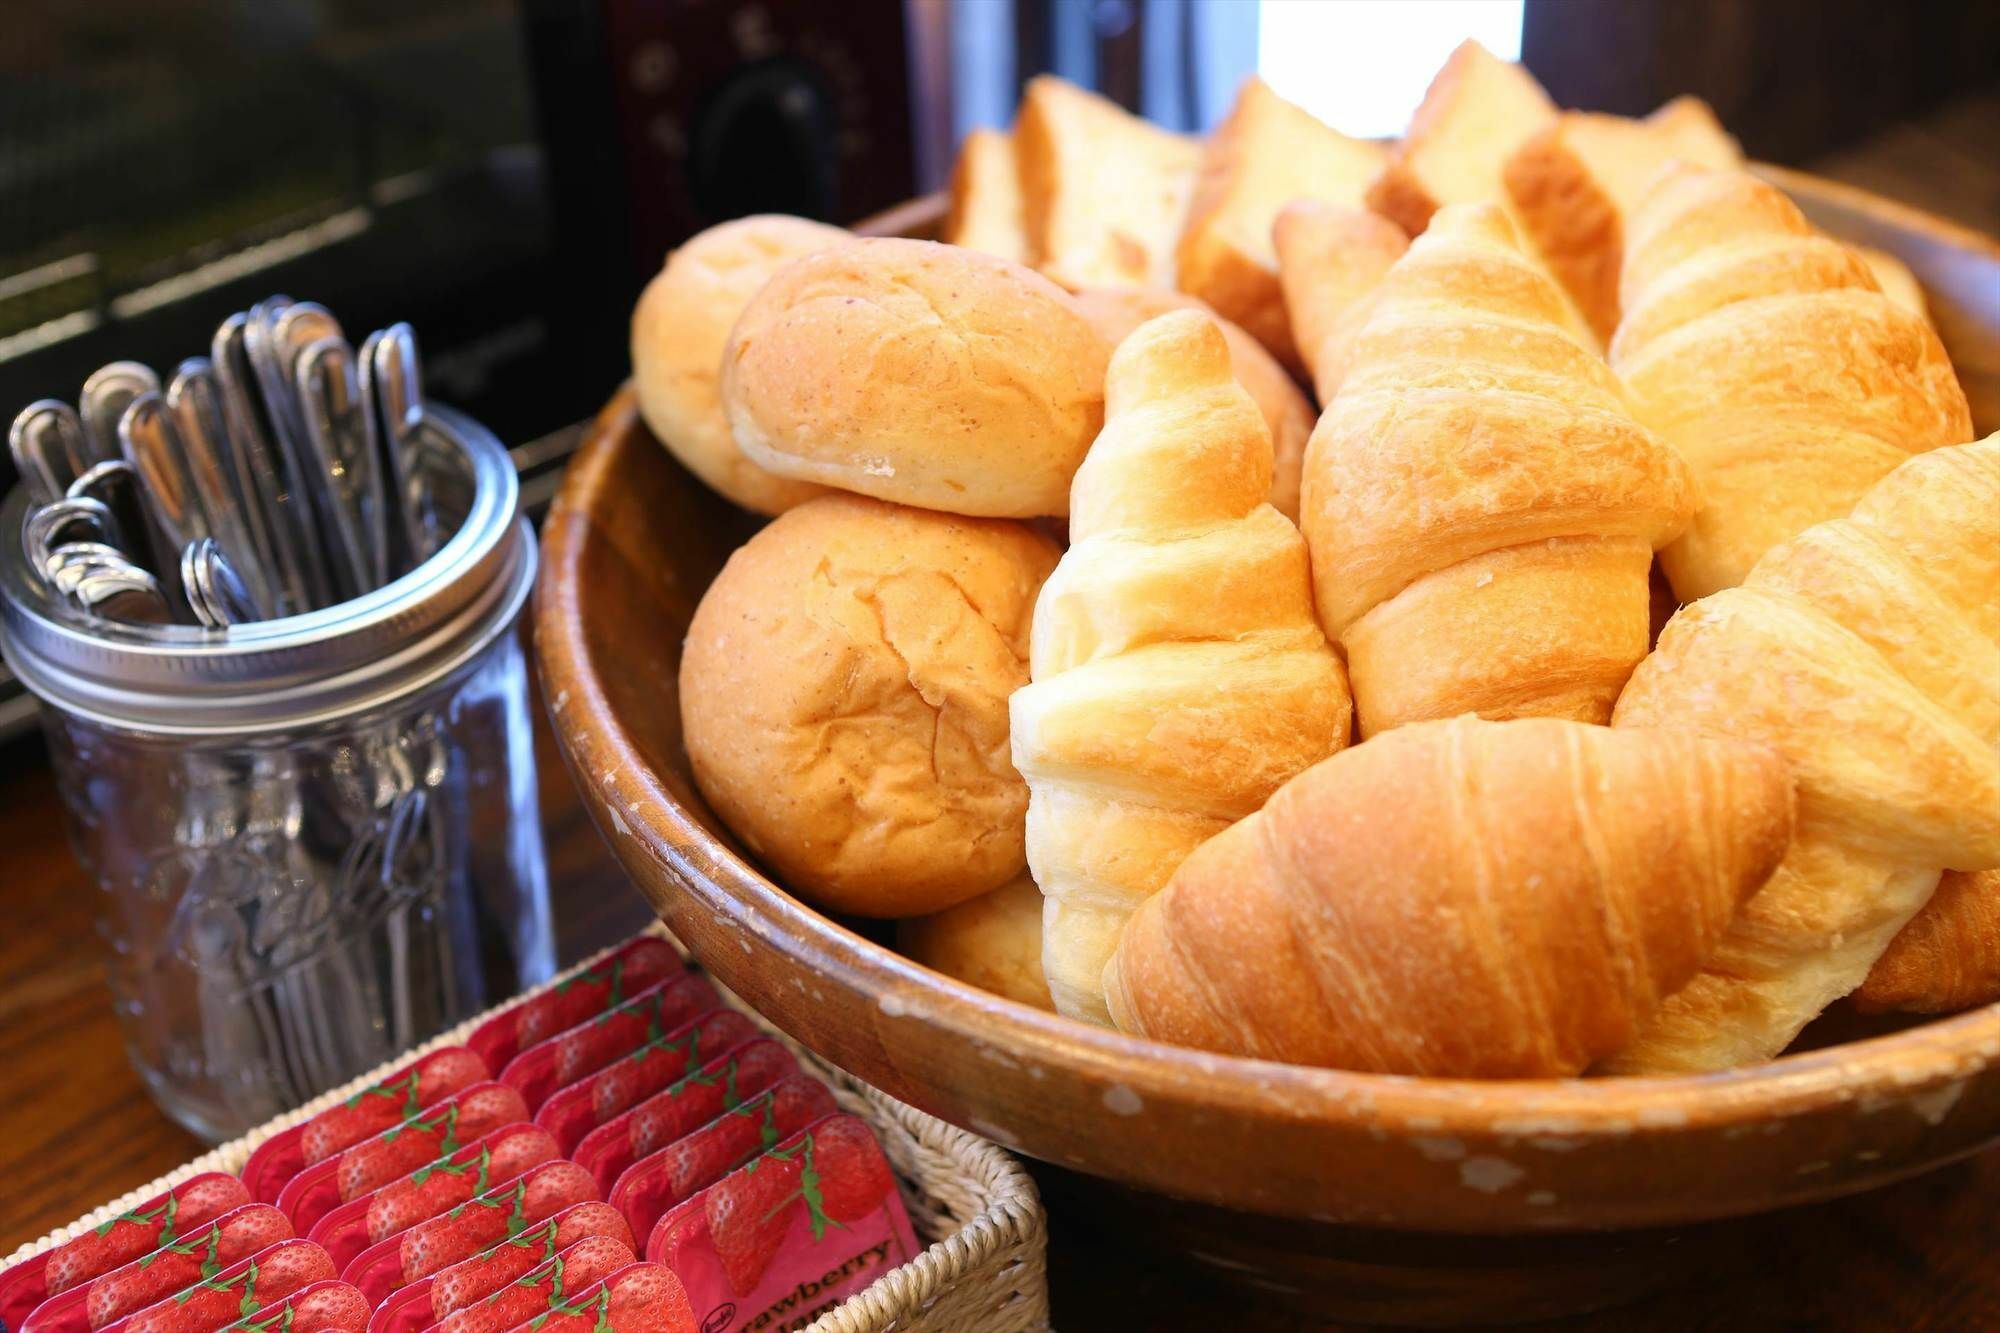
984, 1271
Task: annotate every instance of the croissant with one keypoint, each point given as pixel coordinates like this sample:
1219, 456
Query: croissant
1459, 898
1768, 355
1948, 957
1331, 262
1177, 674
1482, 509
1867, 651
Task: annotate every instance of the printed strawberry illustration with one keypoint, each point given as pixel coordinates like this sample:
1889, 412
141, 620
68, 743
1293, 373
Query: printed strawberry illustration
322, 1307
499, 1214
129, 1235
758, 1125
547, 1287
641, 1298
241, 1289
438, 1132
393, 1102
661, 1008
450, 1181
627, 972
472, 1280
663, 1059
202, 1253
716, 1087
854, 1176
834, 1170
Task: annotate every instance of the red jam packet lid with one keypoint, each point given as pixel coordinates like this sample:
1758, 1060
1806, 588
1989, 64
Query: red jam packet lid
469, 1281
317, 1307
594, 1043
545, 1289
781, 1240
722, 1083
139, 1231
433, 1188
158, 1274
653, 1185
397, 1098
243, 1288
367, 1166
478, 1224
640, 1298
625, 973
588, 1103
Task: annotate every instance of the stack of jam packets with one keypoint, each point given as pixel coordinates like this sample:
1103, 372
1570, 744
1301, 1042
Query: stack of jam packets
619, 1154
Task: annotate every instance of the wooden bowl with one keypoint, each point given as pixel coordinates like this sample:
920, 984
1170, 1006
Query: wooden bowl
630, 546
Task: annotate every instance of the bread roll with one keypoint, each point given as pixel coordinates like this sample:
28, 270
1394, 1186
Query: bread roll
1179, 676
844, 695
1767, 355
1116, 311
1477, 110
1482, 508
1572, 184
920, 373
1104, 191
993, 942
1265, 155
679, 328
1867, 651
986, 199
1458, 899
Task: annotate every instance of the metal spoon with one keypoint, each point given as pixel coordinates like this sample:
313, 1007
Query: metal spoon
128, 593
194, 402
48, 447
81, 519
216, 592
329, 397
294, 574
174, 517
106, 394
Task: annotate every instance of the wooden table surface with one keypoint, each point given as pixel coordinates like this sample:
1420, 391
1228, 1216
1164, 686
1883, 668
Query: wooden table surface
76, 1127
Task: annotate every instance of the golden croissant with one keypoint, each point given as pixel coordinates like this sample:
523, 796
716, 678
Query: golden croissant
1867, 651
1458, 899
1178, 676
1481, 507
1768, 355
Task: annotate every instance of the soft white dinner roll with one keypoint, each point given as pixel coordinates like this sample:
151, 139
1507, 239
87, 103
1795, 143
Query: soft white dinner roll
844, 701
921, 373
679, 329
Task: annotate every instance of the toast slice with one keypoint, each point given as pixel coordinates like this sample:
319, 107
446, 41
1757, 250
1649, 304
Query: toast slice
1265, 155
1477, 111
986, 198
1331, 261
1104, 193
1571, 184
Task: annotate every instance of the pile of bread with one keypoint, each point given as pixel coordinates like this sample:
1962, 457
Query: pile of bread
1349, 734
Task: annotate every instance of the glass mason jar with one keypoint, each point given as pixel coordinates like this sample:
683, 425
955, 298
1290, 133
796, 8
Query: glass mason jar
315, 839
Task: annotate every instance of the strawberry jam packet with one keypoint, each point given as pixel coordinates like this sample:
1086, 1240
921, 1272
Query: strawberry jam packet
720, 1085
469, 1281
158, 1221
440, 1131
650, 1188
788, 1236
596, 1042
433, 1188
623, 974
317, 1307
396, 1099
584, 1105
640, 1298
195, 1254
243, 1288
479, 1224
545, 1289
